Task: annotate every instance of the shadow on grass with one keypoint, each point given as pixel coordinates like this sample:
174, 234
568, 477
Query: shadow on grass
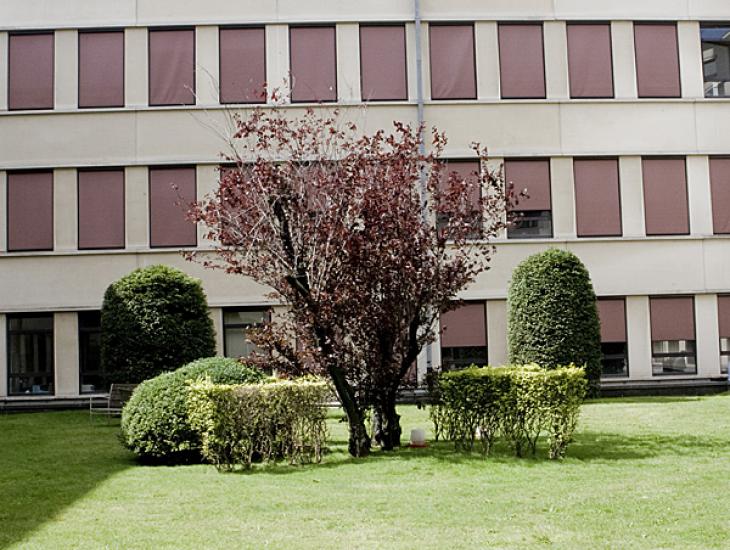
47, 462
587, 447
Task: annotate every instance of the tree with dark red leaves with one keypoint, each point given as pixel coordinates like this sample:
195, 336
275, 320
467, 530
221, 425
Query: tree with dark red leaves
365, 238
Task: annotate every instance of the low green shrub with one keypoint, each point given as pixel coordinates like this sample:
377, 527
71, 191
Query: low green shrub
241, 423
517, 403
155, 422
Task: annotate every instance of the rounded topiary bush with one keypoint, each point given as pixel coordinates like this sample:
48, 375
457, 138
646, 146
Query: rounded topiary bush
155, 420
553, 319
153, 320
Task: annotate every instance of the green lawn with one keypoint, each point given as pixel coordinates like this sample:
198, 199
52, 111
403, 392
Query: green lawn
643, 473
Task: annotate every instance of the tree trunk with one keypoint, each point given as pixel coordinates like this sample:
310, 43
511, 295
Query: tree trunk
358, 444
386, 423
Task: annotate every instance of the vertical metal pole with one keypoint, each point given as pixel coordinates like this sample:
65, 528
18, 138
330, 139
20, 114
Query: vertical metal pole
422, 145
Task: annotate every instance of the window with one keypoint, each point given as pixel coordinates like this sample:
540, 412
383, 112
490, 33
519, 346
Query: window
383, 62
597, 197
532, 216
453, 69
171, 191
30, 354
590, 61
101, 209
720, 190
467, 170
464, 336
30, 211
612, 313
313, 61
242, 65
657, 60
30, 71
673, 335
92, 377
521, 61
723, 310
101, 69
172, 67
716, 59
236, 324
665, 196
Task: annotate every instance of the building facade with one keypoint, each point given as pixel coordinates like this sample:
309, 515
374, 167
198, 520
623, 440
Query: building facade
611, 113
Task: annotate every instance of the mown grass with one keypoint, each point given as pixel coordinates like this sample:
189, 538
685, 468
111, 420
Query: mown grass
642, 473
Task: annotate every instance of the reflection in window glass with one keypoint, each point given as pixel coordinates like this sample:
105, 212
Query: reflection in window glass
615, 359
30, 354
673, 357
92, 377
462, 357
724, 354
716, 60
236, 324
531, 224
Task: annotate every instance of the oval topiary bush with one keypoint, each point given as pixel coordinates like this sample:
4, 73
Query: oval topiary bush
153, 320
155, 420
553, 319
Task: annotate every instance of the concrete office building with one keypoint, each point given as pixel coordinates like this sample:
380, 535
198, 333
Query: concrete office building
614, 114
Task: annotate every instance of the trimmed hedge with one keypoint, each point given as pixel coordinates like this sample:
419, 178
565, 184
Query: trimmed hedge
238, 424
516, 403
553, 319
153, 320
155, 420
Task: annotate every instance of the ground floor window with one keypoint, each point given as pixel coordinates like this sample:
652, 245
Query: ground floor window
673, 357
92, 377
30, 354
236, 325
724, 354
531, 224
614, 349
464, 337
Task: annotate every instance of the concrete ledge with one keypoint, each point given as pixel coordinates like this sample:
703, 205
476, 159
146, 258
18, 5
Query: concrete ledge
703, 386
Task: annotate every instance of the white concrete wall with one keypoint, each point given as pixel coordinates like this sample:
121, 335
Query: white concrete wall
137, 136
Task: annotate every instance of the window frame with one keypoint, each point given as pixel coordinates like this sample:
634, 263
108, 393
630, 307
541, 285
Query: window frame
52, 32
610, 50
267, 313
124, 207
9, 173
533, 23
713, 24
192, 167
9, 331
149, 65
636, 59
520, 213
455, 365
674, 354
474, 53
620, 202
124, 67
686, 191
322, 25
221, 28
405, 53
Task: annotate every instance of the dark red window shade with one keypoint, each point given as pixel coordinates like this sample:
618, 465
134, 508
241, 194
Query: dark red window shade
313, 64
612, 313
665, 196
383, 62
672, 318
532, 176
466, 169
453, 72
242, 65
465, 326
172, 67
590, 61
657, 60
30, 71
723, 311
101, 209
30, 211
169, 205
521, 61
101, 69
597, 197
720, 186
